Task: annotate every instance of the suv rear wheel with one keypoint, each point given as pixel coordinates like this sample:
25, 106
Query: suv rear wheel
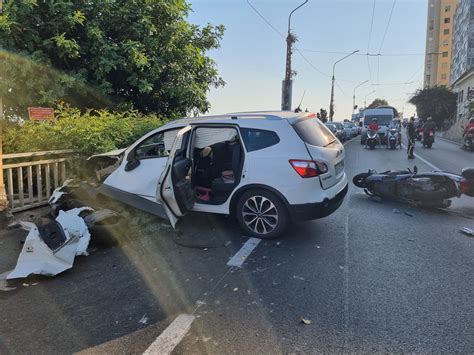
261, 214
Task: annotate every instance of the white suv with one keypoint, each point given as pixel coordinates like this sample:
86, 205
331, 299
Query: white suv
265, 168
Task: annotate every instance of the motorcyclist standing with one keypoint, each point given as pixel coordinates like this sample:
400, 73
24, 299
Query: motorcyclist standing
374, 126
411, 137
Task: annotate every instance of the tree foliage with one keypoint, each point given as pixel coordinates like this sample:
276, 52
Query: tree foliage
438, 102
378, 102
106, 53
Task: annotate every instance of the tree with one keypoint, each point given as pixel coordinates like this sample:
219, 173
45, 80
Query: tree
378, 102
438, 102
323, 115
117, 53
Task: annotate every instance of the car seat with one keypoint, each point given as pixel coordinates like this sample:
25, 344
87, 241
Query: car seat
227, 179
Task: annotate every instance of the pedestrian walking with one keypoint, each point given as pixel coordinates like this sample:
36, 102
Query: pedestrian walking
411, 137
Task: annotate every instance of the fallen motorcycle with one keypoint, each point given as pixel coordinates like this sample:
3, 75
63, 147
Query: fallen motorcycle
431, 189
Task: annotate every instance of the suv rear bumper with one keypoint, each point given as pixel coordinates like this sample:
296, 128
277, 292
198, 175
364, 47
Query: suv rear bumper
308, 211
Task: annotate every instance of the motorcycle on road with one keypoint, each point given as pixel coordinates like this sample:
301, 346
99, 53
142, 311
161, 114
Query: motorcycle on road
393, 139
468, 142
372, 139
431, 189
428, 138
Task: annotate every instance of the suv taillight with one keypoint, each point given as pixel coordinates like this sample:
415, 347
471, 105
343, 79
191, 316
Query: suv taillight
308, 168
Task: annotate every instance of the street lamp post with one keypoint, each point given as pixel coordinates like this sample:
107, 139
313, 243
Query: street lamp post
287, 83
331, 104
365, 99
354, 94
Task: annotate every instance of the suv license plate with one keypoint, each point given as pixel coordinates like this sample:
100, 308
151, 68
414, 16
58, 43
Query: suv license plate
339, 167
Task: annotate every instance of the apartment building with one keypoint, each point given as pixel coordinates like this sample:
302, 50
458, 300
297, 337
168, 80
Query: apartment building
439, 42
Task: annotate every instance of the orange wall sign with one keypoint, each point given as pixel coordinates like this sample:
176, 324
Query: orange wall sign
41, 113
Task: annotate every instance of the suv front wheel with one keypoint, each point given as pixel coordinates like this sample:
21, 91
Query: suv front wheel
261, 214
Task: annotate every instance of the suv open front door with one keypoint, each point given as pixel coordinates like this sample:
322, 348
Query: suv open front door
174, 190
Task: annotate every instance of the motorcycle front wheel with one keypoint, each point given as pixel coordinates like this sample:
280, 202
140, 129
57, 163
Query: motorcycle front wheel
359, 180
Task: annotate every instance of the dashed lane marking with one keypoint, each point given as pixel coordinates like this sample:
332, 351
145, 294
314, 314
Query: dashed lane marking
423, 160
171, 336
239, 258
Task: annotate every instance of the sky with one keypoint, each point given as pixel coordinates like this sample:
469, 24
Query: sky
251, 59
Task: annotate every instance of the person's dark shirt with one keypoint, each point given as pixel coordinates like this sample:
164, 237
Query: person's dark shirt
411, 130
429, 126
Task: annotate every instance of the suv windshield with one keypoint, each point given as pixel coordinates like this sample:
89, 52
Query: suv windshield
313, 132
381, 119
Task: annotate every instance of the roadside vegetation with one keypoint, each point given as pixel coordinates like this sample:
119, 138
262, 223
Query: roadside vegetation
95, 131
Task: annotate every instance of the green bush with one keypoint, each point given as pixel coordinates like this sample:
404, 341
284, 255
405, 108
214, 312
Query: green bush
96, 131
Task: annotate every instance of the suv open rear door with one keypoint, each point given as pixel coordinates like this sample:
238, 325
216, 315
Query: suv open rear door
174, 190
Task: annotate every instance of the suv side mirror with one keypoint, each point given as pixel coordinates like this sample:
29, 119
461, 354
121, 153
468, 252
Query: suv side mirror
132, 164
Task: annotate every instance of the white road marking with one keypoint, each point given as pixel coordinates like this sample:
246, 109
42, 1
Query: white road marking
239, 258
434, 167
346, 284
171, 336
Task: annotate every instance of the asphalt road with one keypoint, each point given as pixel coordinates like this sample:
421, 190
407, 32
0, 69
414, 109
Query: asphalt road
369, 278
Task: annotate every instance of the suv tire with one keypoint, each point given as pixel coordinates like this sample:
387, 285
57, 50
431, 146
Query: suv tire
261, 214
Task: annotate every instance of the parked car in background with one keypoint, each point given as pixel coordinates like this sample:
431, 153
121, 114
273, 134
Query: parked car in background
338, 133
347, 130
265, 168
353, 130
341, 131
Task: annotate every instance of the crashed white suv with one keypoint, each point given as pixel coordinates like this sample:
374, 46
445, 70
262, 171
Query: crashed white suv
263, 167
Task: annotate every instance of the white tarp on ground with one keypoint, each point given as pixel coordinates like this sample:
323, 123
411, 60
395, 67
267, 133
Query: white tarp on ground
37, 258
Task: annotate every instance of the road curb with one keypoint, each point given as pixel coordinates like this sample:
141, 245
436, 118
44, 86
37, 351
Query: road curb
450, 140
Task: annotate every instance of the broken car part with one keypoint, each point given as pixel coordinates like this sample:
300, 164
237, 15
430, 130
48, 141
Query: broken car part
51, 248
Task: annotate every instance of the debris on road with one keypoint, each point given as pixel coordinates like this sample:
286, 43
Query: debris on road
396, 211
305, 321
3, 282
51, 248
298, 278
408, 214
143, 320
467, 231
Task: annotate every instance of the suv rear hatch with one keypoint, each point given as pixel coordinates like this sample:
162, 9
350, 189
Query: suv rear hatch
323, 147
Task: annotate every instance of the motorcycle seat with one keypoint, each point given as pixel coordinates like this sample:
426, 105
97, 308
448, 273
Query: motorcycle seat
468, 173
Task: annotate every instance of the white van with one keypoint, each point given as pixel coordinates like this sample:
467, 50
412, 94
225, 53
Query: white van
383, 115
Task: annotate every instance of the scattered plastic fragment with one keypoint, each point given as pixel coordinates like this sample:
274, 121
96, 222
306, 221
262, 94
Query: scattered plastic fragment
143, 319
298, 278
305, 321
408, 214
467, 231
236, 289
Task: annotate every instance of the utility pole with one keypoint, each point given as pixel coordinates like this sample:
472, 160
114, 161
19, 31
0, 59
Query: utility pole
354, 94
331, 104
287, 84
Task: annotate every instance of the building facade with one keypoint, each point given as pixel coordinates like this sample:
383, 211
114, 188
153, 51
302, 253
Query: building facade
463, 40
438, 42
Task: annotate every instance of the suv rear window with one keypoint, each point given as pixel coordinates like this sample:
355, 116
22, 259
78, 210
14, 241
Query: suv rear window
256, 139
313, 132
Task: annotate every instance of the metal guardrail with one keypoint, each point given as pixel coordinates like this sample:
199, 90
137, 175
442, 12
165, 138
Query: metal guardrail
30, 183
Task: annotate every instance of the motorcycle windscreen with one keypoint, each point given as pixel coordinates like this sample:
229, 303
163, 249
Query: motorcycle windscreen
174, 191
